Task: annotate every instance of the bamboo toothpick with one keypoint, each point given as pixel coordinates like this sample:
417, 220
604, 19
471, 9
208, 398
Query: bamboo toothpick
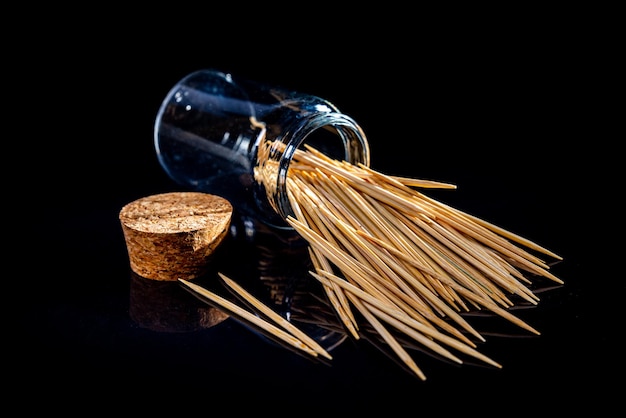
246, 315
286, 325
388, 337
396, 317
382, 246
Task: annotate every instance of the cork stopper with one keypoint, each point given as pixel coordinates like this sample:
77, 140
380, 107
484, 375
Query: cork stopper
171, 235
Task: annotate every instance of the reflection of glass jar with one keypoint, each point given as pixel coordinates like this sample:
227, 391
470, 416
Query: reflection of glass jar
236, 138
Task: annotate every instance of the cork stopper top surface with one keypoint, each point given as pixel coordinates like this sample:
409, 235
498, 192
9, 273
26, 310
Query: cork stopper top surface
176, 212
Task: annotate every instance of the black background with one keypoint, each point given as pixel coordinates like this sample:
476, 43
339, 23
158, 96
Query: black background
510, 113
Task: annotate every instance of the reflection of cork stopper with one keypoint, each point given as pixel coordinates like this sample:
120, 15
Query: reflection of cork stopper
171, 235
165, 306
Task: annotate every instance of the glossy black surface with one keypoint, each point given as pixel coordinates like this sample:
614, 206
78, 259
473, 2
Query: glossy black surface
503, 133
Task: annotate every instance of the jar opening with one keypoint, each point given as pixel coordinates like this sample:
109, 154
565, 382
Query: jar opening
335, 135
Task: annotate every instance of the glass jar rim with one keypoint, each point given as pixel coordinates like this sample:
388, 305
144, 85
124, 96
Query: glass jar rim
347, 130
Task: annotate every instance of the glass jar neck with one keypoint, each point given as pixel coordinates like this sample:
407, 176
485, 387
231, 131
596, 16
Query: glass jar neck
322, 127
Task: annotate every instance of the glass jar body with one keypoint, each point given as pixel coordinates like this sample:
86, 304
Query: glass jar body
235, 138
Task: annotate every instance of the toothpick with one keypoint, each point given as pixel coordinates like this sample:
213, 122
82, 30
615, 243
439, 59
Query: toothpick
288, 326
405, 259
393, 343
246, 315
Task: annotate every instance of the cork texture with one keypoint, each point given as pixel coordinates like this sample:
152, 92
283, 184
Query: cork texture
172, 235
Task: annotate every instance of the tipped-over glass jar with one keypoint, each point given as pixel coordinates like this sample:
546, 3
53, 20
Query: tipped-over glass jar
236, 138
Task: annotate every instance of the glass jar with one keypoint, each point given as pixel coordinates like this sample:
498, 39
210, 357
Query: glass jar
236, 138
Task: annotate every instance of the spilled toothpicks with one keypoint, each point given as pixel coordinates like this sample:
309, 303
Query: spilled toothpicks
403, 260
